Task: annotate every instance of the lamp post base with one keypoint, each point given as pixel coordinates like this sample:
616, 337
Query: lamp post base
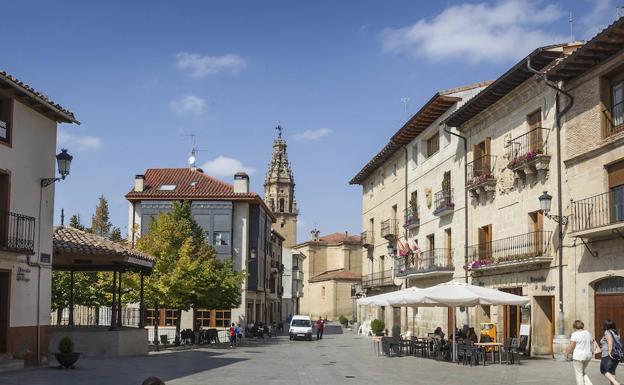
560, 343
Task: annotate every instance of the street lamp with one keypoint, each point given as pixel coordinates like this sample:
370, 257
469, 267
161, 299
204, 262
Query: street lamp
63, 160
545, 201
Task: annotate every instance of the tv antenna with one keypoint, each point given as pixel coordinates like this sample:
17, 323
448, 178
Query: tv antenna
571, 22
192, 159
405, 102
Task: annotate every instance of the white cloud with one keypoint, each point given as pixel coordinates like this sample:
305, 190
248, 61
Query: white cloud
189, 105
202, 65
478, 32
73, 141
312, 135
224, 166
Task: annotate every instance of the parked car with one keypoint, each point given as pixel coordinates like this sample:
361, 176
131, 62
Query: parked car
300, 327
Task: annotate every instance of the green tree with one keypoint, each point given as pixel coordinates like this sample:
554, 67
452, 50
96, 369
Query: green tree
100, 221
115, 235
187, 272
74, 221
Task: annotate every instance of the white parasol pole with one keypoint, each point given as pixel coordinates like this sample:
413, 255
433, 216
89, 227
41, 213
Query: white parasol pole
454, 336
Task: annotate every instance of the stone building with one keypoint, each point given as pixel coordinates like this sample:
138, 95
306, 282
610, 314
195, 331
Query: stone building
279, 192
332, 264
236, 222
28, 129
292, 282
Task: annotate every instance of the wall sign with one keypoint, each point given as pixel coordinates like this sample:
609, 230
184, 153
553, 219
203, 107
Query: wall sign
23, 274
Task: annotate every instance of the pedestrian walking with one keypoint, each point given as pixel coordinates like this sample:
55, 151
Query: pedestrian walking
239, 334
320, 325
611, 351
581, 347
232, 335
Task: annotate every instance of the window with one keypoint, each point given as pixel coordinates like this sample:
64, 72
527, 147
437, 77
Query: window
167, 187
394, 169
150, 317
167, 317
616, 191
414, 155
221, 238
203, 316
617, 108
382, 178
171, 316
222, 318
371, 187
433, 144
6, 112
281, 205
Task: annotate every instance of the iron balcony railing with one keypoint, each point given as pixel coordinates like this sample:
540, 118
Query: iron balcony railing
443, 200
380, 278
615, 120
368, 238
17, 233
389, 228
480, 169
518, 248
412, 217
597, 211
527, 146
424, 262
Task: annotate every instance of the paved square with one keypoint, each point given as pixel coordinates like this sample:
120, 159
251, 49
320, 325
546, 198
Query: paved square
337, 359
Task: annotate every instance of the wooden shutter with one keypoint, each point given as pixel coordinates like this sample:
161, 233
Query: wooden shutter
616, 174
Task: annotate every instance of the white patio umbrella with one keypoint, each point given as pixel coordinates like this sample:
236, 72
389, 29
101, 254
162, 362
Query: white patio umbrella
453, 294
384, 299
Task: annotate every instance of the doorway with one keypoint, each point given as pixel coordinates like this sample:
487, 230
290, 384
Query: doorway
5, 188
608, 303
544, 322
5, 297
512, 315
485, 242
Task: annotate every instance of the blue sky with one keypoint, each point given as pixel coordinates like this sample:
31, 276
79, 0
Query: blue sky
140, 75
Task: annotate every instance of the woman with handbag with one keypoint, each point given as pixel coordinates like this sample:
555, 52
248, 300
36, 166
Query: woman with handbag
608, 362
581, 344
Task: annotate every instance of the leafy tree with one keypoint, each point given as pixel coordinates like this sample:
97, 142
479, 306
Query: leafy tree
74, 221
187, 272
115, 235
100, 221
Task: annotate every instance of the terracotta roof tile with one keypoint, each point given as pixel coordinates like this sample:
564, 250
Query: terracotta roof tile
339, 237
339, 274
73, 241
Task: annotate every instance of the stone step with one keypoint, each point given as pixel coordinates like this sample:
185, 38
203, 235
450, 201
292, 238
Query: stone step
10, 364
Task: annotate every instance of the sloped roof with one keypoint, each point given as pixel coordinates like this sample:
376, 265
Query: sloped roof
601, 47
339, 275
515, 76
189, 184
82, 250
35, 99
339, 237
439, 103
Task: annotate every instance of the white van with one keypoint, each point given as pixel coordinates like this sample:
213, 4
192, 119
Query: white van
300, 327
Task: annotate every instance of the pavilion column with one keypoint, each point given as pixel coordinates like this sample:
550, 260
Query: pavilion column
119, 302
114, 303
142, 304
71, 298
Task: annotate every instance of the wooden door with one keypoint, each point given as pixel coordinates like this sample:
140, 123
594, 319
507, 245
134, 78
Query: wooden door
534, 121
449, 246
616, 192
537, 236
485, 242
5, 296
512, 316
477, 151
5, 188
608, 306
446, 182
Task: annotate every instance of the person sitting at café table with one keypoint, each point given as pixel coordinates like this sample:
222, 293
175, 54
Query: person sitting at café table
472, 336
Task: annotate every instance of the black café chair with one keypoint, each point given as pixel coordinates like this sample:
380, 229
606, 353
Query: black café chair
391, 346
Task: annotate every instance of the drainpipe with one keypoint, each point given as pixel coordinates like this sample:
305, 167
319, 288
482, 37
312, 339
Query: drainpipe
134, 221
559, 114
465, 140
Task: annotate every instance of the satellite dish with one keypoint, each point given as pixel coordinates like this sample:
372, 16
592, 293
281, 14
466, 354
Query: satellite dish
191, 160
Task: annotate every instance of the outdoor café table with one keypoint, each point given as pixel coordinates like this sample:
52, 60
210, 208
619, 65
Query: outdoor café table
376, 341
496, 346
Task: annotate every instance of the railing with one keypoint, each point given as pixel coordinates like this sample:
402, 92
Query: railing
412, 217
527, 146
615, 121
480, 169
95, 316
380, 278
389, 228
368, 238
522, 247
600, 210
17, 232
424, 262
443, 200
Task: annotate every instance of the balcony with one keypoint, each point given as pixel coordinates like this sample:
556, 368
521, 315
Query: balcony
443, 202
599, 215
615, 120
17, 233
480, 179
378, 279
528, 153
430, 263
513, 253
390, 229
412, 218
368, 239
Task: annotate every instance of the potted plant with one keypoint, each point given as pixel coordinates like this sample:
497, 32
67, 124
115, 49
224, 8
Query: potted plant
377, 327
66, 356
343, 321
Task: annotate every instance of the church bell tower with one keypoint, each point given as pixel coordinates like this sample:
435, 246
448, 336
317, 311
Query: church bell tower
279, 191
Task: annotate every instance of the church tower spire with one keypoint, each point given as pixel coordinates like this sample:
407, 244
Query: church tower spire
279, 191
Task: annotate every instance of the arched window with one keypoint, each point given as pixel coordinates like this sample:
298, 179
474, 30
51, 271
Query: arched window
610, 285
281, 205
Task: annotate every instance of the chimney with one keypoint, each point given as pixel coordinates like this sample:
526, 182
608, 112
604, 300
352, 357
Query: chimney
139, 183
241, 182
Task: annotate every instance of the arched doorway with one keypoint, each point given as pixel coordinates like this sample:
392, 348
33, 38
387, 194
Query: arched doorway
609, 302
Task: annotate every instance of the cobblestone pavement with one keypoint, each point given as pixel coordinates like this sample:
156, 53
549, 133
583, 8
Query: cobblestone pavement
336, 359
